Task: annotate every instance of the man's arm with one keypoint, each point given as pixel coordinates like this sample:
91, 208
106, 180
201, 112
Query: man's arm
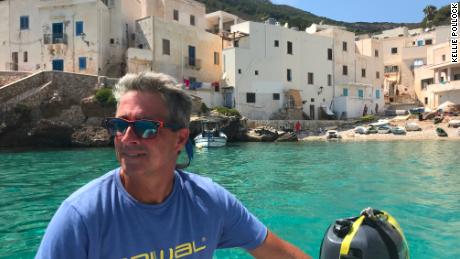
275, 247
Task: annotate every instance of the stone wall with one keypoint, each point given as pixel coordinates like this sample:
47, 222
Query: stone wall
7, 77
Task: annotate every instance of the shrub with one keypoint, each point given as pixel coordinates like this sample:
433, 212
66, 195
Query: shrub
227, 111
367, 118
204, 108
105, 97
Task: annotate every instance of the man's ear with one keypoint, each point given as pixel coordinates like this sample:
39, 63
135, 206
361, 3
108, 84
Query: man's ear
182, 139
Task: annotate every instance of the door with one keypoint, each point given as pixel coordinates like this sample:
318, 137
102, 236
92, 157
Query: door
58, 65
228, 98
58, 32
312, 112
191, 56
14, 62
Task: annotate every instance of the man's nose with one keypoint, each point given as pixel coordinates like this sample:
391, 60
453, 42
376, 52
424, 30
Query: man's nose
130, 136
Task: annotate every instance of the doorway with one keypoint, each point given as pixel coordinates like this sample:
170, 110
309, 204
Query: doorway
15, 60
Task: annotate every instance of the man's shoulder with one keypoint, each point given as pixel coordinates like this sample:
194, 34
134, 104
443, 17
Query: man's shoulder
94, 190
201, 185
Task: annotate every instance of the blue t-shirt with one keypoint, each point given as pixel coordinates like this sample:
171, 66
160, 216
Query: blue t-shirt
102, 220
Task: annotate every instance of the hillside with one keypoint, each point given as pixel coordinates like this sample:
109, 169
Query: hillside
260, 10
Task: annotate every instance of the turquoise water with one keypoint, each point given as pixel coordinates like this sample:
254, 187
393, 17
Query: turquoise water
297, 189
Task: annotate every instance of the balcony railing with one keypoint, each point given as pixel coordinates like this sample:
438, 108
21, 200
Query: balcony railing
192, 63
55, 38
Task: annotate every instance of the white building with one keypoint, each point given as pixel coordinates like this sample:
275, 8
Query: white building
73, 35
274, 69
174, 38
403, 51
357, 72
439, 80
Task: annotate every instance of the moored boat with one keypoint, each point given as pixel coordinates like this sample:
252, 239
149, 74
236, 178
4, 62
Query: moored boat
398, 130
441, 132
332, 134
210, 136
385, 129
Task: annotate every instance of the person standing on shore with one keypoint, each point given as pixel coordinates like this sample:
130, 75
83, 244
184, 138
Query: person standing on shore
149, 207
297, 128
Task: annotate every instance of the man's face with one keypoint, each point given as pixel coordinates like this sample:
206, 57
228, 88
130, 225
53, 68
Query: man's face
148, 157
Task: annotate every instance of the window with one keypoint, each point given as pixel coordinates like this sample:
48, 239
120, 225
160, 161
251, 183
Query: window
289, 47
78, 28
191, 56
82, 63
391, 69
256, 72
329, 54
426, 100
250, 97
216, 58
239, 70
166, 47
176, 15
394, 50
363, 72
310, 78
344, 46
312, 100
277, 43
443, 57
345, 91
377, 74
329, 79
376, 53
377, 94
24, 22
420, 43
26, 56
425, 82
288, 75
112, 41
344, 70
428, 41
276, 96
360, 93
192, 19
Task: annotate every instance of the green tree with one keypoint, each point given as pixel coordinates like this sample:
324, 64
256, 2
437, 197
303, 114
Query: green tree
430, 12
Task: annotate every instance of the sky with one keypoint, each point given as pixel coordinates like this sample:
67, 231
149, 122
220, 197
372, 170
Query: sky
366, 10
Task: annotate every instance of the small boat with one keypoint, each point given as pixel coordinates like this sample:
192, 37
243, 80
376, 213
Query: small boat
412, 126
441, 132
398, 130
372, 130
361, 130
380, 123
332, 134
385, 129
210, 135
453, 123
438, 119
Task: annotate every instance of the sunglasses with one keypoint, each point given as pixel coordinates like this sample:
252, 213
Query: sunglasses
145, 129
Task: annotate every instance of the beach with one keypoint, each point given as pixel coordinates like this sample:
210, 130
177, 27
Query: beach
428, 132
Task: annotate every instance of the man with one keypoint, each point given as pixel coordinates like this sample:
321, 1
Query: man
147, 208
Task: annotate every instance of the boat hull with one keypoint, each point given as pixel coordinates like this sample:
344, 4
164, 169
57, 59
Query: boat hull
210, 141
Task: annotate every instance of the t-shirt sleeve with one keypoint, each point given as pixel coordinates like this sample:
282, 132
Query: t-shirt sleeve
240, 227
65, 237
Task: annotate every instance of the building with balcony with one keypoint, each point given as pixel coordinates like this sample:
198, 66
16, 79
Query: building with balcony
357, 75
439, 80
174, 38
87, 37
404, 50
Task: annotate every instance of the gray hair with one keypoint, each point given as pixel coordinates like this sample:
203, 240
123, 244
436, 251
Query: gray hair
179, 104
